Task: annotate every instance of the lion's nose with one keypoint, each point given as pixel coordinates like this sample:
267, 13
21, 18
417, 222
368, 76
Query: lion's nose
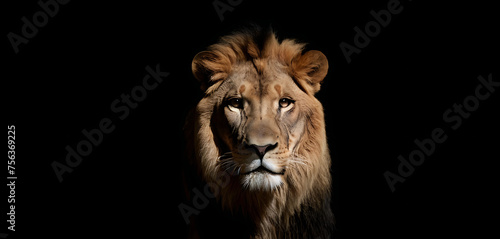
262, 150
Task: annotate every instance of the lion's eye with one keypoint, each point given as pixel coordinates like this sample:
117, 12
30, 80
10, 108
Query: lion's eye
285, 102
236, 103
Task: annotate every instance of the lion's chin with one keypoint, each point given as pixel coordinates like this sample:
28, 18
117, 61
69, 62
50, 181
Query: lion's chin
261, 180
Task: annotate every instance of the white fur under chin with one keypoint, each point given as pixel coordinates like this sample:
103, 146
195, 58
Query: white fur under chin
261, 181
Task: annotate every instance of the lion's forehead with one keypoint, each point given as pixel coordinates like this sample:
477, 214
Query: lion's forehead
246, 80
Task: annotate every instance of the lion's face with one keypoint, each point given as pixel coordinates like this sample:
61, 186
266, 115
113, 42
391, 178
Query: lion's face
259, 103
260, 127
261, 124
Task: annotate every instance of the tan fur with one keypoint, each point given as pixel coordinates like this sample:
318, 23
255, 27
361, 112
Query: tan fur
262, 70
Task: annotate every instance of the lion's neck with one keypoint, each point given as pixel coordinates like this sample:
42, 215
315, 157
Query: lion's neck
268, 211
264, 209
282, 212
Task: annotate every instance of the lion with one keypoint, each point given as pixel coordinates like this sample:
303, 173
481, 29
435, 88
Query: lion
261, 129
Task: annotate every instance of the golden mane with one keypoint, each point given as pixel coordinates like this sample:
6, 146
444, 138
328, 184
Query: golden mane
247, 45
300, 206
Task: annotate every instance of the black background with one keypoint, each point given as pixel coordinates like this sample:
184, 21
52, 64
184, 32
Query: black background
395, 91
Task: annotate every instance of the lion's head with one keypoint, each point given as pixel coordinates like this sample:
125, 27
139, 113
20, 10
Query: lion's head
260, 124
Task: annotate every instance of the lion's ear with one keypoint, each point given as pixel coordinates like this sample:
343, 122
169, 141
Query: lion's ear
309, 70
209, 68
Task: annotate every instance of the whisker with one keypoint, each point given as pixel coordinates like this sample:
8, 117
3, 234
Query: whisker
225, 156
227, 163
234, 169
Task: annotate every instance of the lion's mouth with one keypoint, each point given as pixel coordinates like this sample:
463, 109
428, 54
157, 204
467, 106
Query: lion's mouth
262, 169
